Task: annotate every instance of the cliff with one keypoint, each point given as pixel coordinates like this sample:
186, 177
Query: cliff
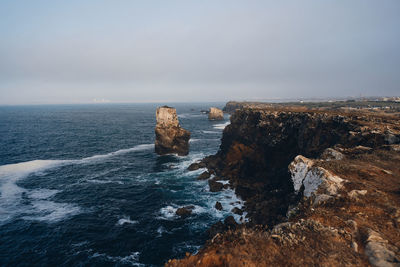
170, 136
321, 188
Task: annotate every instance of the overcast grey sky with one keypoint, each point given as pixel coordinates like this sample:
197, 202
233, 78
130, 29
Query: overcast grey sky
160, 51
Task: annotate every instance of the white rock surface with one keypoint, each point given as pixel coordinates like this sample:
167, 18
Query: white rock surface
303, 172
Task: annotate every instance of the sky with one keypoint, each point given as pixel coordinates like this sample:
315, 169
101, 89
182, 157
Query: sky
191, 51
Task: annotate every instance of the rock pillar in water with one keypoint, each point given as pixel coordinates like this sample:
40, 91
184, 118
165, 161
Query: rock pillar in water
215, 114
170, 137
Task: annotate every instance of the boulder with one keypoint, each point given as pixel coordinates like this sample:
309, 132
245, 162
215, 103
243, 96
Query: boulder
215, 114
204, 176
215, 186
312, 178
378, 251
331, 154
230, 223
185, 211
237, 211
170, 137
218, 205
195, 166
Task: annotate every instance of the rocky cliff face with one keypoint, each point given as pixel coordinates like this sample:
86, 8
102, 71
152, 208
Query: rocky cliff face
259, 144
325, 182
170, 136
215, 114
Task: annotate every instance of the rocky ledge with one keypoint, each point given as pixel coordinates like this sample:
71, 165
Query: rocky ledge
321, 188
170, 136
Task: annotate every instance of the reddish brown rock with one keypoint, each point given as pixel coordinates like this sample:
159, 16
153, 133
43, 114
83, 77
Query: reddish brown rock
185, 211
170, 136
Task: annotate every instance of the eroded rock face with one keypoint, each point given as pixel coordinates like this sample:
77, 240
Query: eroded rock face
170, 136
342, 180
215, 114
260, 143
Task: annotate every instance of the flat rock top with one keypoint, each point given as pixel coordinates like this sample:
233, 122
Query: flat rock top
166, 116
215, 110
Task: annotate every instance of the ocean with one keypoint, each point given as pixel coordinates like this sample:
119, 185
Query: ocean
81, 185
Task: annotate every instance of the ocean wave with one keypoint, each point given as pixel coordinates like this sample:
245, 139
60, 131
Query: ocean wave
210, 132
189, 115
168, 213
50, 211
126, 220
130, 259
11, 194
221, 126
161, 230
97, 181
116, 153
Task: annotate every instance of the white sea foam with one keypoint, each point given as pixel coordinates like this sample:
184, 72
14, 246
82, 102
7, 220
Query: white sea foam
197, 209
160, 231
116, 153
210, 132
131, 259
221, 126
38, 209
168, 213
189, 115
126, 220
49, 211
42, 193
96, 181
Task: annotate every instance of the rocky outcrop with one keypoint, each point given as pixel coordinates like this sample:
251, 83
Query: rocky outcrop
309, 178
260, 143
185, 211
328, 181
215, 114
170, 136
379, 252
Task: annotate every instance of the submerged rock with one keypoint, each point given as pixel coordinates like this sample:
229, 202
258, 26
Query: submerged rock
185, 211
218, 205
215, 114
170, 136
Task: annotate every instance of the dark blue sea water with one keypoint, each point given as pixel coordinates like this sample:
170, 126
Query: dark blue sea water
81, 185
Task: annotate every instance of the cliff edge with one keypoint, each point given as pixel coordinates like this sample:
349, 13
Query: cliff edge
322, 187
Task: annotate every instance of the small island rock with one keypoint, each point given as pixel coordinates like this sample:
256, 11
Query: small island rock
170, 136
185, 211
215, 114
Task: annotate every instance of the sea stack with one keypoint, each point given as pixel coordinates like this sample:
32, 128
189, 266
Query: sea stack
215, 114
170, 136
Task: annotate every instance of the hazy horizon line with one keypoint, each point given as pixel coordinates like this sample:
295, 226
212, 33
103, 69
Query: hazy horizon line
269, 100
